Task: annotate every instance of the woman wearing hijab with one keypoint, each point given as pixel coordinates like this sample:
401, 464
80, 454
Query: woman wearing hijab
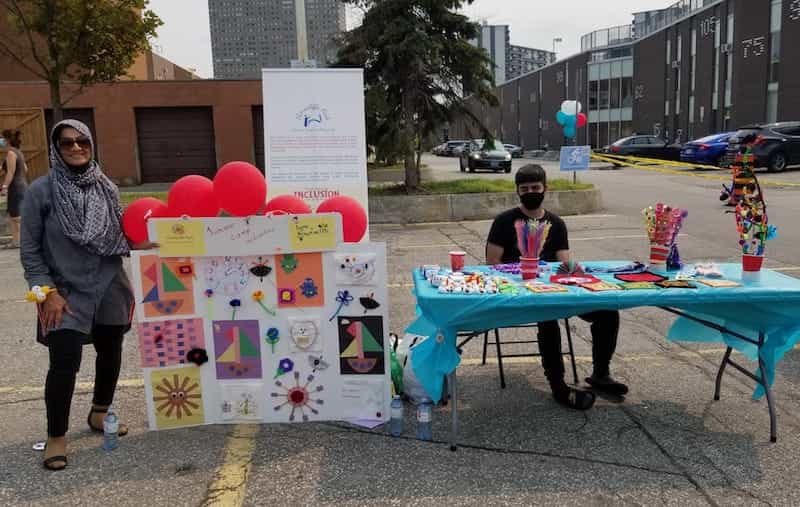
72, 242
14, 183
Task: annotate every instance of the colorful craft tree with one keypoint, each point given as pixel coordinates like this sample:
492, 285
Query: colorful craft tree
663, 223
531, 236
752, 221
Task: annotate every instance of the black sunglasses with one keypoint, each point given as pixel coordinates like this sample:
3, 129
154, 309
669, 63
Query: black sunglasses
68, 142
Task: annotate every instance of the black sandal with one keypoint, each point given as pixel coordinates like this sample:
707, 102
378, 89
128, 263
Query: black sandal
48, 463
577, 399
122, 429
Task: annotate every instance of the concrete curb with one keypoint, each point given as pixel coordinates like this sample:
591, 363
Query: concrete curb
413, 209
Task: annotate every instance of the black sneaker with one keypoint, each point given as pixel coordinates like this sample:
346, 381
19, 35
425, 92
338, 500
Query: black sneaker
608, 385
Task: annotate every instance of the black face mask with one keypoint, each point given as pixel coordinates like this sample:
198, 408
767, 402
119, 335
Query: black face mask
532, 200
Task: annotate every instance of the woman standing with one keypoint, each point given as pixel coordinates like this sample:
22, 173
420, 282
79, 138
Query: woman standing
15, 183
72, 242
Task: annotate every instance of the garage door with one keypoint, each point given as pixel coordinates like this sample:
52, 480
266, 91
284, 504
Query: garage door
258, 136
175, 142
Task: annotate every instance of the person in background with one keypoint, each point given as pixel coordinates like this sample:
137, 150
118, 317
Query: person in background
72, 242
15, 182
501, 248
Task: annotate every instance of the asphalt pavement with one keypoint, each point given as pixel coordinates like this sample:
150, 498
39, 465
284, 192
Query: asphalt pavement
668, 443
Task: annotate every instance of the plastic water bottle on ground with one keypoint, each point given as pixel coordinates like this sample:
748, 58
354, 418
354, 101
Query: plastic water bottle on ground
396, 421
424, 417
110, 431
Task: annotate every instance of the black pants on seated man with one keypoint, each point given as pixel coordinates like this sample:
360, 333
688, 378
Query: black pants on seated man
502, 247
604, 328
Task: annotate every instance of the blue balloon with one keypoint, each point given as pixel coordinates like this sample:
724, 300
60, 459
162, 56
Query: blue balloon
570, 131
570, 120
561, 117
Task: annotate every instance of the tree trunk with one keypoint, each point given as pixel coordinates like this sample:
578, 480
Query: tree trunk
55, 101
412, 169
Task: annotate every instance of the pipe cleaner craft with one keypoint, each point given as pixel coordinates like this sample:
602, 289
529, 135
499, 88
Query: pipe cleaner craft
299, 397
344, 299
258, 297
531, 237
38, 294
663, 223
273, 337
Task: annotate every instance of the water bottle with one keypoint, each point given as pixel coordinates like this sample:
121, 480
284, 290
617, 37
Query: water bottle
110, 429
424, 416
396, 422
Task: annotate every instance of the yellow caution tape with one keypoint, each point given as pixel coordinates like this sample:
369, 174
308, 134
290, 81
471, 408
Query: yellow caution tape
668, 163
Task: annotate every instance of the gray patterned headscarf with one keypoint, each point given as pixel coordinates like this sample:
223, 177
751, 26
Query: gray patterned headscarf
86, 202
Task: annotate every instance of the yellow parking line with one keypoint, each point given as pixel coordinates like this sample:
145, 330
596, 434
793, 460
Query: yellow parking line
230, 481
80, 386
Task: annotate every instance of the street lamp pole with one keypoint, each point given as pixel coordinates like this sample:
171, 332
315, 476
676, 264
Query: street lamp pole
302, 36
555, 41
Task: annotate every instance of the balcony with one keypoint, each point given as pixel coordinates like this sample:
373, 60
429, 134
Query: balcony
606, 37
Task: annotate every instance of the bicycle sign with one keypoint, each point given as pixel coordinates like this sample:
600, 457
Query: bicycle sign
575, 158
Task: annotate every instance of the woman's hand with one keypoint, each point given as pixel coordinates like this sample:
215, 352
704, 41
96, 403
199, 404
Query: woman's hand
53, 310
144, 245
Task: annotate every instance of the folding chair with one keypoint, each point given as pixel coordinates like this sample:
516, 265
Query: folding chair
470, 335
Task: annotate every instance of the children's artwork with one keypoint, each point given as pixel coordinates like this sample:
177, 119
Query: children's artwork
361, 345
166, 343
368, 302
355, 269
302, 398
644, 276
301, 286
237, 347
226, 276
260, 267
241, 402
307, 232
600, 286
364, 397
177, 397
317, 363
574, 279
639, 286
543, 288
304, 334
676, 284
167, 286
719, 283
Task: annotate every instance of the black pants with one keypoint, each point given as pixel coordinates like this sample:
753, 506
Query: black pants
604, 328
65, 361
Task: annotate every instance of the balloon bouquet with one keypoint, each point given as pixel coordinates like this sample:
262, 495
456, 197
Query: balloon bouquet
571, 118
238, 189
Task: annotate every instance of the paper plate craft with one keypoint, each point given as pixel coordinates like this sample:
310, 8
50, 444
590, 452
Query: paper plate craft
600, 286
574, 279
639, 286
298, 397
542, 288
355, 269
237, 346
645, 276
304, 334
177, 397
719, 283
361, 345
676, 284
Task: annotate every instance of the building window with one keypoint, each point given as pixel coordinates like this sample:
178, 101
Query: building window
627, 92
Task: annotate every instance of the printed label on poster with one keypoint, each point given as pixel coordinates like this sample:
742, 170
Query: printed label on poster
180, 238
313, 232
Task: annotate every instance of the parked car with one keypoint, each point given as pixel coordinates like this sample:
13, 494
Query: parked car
709, 150
516, 151
479, 155
775, 146
645, 146
448, 149
438, 149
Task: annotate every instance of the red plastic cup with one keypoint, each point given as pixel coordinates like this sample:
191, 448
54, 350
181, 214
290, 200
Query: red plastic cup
752, 263
658, 254
457, 259
529, 267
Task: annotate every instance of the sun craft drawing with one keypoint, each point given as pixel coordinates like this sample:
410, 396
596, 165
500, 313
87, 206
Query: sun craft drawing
237, 345
299, 397
361, 345
177, 397
167, 286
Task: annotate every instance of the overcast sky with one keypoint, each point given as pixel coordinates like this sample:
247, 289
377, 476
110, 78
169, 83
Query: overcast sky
185, 40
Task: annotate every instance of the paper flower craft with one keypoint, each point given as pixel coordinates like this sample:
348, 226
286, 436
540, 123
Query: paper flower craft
273, 337
235, 303
285, 366
38, 294
258, 297
197, 356
344, 299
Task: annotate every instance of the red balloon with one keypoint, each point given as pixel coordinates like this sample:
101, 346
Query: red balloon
240, 188
287, 204
193, 196
581, 120
354, 218
134, 219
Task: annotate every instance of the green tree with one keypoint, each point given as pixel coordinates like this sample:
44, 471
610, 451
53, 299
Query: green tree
416, 55
76, 41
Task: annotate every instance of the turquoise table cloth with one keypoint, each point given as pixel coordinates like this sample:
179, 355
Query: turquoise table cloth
771, 306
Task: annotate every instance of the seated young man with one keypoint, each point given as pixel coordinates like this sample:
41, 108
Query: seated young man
501, 248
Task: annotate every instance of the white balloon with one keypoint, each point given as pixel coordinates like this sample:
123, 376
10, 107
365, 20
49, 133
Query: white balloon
568, 107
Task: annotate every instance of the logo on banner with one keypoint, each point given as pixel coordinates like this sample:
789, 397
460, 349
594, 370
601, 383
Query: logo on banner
313, 116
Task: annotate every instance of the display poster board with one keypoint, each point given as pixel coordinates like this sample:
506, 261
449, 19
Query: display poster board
293, 322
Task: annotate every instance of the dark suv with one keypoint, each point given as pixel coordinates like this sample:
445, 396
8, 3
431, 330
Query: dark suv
775, 146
